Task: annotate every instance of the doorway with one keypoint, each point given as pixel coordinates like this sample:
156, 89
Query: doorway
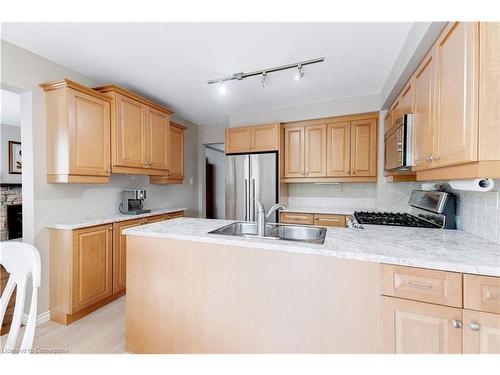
215, 165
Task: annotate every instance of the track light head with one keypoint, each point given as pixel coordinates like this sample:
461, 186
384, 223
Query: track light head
299, 73
264, 80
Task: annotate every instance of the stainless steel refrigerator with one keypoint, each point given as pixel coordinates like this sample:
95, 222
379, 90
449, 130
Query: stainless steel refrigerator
249, 177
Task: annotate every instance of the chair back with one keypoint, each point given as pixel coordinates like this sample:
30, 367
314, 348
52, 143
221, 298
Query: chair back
21, 260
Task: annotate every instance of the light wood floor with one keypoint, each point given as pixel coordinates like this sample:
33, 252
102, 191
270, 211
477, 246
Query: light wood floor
101, 332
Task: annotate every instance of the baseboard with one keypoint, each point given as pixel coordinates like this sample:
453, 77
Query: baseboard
40, 318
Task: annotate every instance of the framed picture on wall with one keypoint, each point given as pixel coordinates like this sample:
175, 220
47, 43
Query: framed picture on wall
15, 158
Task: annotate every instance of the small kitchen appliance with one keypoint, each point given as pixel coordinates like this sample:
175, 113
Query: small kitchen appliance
398, 142
133, 202
430, 209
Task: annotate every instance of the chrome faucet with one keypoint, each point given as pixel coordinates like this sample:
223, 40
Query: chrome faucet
262, 217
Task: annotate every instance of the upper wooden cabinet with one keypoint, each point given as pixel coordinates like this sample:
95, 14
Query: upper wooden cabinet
407, 98
78, 131
175, 157
338, 150
246, 139
364, 148
334, 149
139, 133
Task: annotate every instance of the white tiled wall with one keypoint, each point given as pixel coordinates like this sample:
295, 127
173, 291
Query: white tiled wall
479, 213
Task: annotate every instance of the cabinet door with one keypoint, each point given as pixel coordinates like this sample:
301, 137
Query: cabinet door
315, 151
324, 220
265, 138
89, 127
92, 265
238, 140
338, 148
407, 98
130, 132
456, 127
296, 218
120, 253
364, 148
387, 121
423, 114
158, 134
395, 111
176, 153
294, 152
481, 333
419, 328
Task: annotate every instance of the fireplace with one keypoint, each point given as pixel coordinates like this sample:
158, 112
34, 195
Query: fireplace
11, 220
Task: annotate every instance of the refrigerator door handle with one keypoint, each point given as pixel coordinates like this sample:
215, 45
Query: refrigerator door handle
253, 199
246, 199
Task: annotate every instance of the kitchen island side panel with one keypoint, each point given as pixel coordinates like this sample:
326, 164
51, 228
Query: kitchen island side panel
191, 297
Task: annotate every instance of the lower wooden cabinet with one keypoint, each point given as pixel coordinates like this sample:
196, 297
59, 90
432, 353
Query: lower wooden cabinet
296, 218
88, 266
324, 220
481, 332
410, 327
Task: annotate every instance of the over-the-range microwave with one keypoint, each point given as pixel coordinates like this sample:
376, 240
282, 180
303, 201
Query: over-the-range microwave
398, 145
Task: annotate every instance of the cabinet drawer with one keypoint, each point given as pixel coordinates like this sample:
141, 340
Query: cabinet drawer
324, 220
482, 293
174, 215
441, 287
296, 218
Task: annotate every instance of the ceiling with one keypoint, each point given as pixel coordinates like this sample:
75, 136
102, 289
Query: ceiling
171, 62
10, 107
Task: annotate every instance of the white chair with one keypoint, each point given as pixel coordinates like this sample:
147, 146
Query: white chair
21, 260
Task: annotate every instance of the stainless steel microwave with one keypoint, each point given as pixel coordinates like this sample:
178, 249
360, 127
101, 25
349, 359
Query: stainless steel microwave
398, 145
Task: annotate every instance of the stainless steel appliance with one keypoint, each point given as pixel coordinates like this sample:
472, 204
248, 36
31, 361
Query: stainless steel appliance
398, 145
133, 202
430, 209
250, 177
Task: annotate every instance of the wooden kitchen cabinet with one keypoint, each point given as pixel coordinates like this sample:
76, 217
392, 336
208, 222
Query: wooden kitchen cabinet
139, 133
328, 220
120, 253
364, 148
78, 131
482, 293
395, 111
176, 157
456, 128
296, 218
92, 270
338, 159
294, 152
410, 327
315, 150
424, 111
258, 138
407, 98
481, 332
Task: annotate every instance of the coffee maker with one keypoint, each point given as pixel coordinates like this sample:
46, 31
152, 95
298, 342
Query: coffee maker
133, 202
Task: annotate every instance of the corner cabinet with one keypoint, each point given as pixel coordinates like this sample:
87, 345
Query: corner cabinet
342, 149
140, 131
78, 133
175, 156
258, 138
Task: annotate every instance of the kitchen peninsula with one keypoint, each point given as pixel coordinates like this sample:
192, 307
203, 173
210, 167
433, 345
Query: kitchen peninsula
193, 292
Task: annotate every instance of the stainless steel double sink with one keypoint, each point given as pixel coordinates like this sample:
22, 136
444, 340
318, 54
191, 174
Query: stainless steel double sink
286, 232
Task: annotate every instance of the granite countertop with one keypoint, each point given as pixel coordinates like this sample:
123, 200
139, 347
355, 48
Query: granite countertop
91, 221
442, 249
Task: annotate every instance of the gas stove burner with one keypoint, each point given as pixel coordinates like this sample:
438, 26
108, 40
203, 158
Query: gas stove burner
392, 218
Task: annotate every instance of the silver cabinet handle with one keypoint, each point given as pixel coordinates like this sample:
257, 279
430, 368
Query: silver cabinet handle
474, 326
456, 323
420, 286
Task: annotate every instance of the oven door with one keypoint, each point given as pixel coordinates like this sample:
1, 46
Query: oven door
394, 157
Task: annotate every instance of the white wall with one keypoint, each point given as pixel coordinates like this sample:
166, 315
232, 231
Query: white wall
8, 133
51, 203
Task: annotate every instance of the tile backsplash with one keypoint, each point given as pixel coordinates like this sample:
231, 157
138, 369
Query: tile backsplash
479, 213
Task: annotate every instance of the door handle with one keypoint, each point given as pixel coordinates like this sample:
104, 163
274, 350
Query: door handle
246, 199
253, 198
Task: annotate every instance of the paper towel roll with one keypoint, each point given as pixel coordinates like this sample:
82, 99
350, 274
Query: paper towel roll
478, 184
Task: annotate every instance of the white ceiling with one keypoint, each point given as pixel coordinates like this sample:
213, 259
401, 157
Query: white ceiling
10, 107
171, 62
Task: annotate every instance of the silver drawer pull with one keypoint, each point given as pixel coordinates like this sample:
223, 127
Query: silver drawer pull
420, 286
456, 323
474, 326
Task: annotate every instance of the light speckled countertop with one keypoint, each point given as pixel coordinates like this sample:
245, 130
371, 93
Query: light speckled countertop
91, 221
450, 250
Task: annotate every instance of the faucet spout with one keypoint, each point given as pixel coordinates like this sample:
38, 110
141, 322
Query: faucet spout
274, 208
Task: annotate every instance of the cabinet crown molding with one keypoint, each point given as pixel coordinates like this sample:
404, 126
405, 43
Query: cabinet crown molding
60, 83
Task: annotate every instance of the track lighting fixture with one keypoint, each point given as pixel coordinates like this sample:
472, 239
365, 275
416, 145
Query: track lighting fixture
299, 73
264, 79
